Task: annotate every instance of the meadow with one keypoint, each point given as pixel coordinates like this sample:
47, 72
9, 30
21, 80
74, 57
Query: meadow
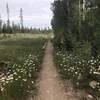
20, 60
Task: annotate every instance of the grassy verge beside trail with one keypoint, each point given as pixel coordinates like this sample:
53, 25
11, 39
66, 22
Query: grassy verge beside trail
84, 73
20, 61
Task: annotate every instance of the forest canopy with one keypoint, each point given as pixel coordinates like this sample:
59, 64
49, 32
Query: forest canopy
76, 25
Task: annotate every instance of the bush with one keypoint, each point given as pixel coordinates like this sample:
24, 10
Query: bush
19, 82
82, 71
83, 49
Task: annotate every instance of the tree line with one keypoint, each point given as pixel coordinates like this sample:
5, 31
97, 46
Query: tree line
9, 27
76, 25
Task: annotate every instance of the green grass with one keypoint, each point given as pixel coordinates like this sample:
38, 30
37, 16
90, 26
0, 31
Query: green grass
14, 49
24, 54
24, 35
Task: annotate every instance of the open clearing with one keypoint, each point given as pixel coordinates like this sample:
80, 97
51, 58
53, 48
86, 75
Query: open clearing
24, 35
15, 47
50, 85
20, 60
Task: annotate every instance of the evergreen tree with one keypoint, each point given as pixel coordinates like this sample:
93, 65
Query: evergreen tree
76, 21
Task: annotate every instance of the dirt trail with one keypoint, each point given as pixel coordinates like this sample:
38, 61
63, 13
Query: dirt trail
50, 86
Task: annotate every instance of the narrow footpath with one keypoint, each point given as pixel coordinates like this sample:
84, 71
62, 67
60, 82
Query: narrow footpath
50, 85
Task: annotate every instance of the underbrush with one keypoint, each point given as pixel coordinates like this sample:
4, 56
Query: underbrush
83, 72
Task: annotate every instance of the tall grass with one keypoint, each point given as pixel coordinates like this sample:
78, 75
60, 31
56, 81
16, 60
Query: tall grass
16, 50
24, 57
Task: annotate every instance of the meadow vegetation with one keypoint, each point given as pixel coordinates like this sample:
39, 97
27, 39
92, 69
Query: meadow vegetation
20, 60
82, 72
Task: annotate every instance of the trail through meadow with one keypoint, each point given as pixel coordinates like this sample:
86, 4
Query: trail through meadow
50, 85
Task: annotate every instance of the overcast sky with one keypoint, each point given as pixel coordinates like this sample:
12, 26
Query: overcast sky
36, 13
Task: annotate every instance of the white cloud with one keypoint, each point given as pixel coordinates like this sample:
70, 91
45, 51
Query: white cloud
35, 12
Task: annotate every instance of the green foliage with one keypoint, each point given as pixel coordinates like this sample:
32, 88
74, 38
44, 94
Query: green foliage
65, 22
19, 82
76, 26
82, 49
14, 28
97, 42
24, 57
15, 50
83, 72
78, 21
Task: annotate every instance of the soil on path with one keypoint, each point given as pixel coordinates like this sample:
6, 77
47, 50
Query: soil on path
50, 85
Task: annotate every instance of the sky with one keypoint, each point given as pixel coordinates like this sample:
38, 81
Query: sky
36, 13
